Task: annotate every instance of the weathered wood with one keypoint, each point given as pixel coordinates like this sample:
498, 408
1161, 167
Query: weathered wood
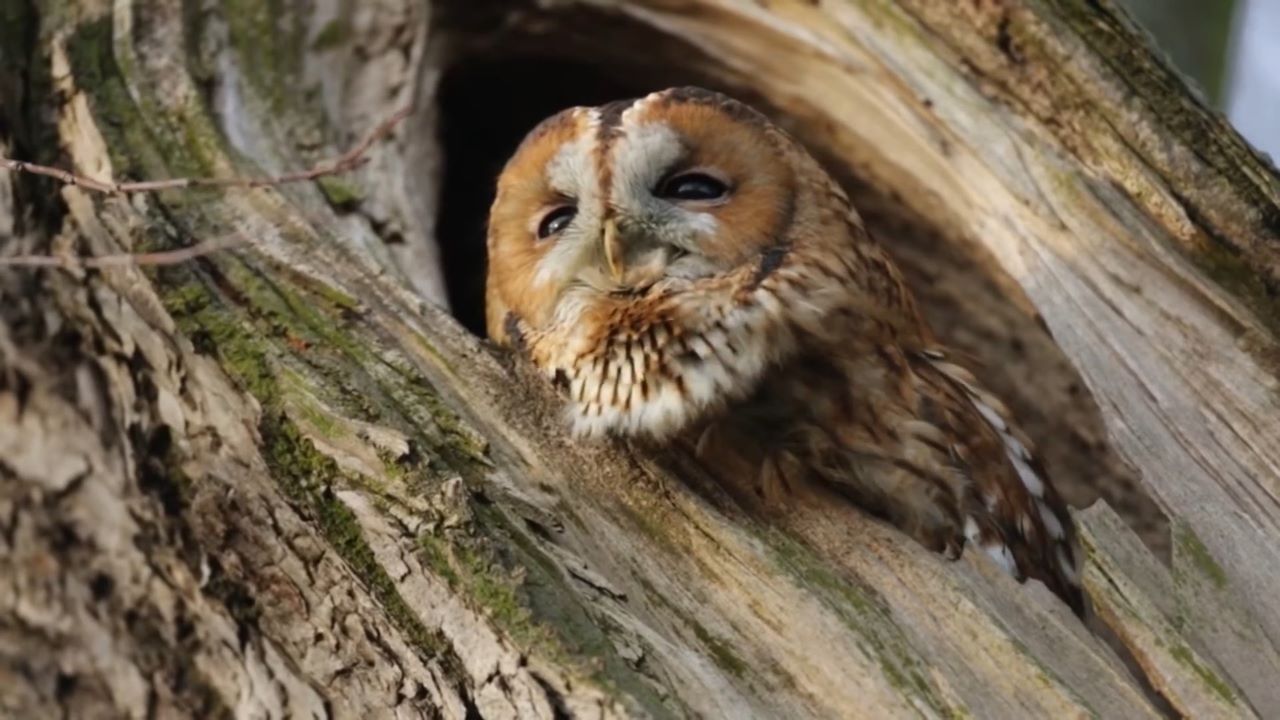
275, 482
1193, 641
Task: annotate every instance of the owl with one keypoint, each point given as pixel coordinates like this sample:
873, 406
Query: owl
687, 273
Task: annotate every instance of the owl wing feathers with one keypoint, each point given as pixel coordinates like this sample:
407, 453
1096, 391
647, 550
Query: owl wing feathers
936, 455
1020, 521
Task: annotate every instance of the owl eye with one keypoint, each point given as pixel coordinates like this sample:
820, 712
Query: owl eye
555, 221
693, 186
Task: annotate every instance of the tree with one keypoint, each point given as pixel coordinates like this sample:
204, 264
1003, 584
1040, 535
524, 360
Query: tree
278, 480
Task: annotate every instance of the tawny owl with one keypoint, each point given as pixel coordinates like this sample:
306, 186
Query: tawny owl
685, 269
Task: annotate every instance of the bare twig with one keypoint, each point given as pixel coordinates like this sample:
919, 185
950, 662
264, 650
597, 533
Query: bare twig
349, 160
165, 257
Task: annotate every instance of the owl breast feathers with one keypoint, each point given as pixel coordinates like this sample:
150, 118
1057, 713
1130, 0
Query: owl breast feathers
682, 268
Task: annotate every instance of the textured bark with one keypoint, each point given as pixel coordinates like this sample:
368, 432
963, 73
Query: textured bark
279, 481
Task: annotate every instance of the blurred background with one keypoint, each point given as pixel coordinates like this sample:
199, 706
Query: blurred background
1231, 50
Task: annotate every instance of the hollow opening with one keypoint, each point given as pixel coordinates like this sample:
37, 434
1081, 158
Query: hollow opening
497, 86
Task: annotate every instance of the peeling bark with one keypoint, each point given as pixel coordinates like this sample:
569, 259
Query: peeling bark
280, 481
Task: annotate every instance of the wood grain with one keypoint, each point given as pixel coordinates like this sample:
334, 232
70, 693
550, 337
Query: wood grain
275, 481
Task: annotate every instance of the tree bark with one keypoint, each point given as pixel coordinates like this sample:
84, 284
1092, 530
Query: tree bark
281, 481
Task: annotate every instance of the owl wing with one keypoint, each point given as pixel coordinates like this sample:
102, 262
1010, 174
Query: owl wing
915, 439
1018, 518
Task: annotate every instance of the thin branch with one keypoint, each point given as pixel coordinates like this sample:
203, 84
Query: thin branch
349, 160
165, 257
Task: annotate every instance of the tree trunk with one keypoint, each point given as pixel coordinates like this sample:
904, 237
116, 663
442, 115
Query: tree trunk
279, 481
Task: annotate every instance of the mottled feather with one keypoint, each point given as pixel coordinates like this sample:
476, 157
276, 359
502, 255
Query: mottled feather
759, 323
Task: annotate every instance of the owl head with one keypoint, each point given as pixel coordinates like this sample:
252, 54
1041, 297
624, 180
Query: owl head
646, 254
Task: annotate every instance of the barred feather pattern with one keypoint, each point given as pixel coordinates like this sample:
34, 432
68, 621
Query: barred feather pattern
781, 338
654, 365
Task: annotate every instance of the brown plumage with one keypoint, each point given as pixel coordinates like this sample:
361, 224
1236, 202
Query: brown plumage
685, 270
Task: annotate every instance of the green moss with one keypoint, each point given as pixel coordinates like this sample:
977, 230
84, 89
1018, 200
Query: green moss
371, 387
653, 525
1183, 116
864, 613
213, 328
334, 33
260, 40
307, 314
269, 334
1154, 80
144, 139
315, 416
467, 449
368, 386
340, 193
478, 577
329, 296
807, 568
721, 652
1223, 165
1179, 652
469, 566
269, 40
504, 572
405, 474
1183, 654
436, 555
1186, 540
283, 338
435, 355
308, 477
93, 65
146, 143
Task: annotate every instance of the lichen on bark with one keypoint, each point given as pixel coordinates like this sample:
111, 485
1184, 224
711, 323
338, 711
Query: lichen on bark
273, 481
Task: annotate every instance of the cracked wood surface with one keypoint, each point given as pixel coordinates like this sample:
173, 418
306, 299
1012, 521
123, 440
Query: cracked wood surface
275, 483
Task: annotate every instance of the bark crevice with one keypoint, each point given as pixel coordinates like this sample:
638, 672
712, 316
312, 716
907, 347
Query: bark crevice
275, 481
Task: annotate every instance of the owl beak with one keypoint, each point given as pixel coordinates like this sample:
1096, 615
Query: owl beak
613, 251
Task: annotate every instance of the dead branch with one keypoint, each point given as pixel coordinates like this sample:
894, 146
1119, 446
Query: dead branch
349, 160
164, 257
